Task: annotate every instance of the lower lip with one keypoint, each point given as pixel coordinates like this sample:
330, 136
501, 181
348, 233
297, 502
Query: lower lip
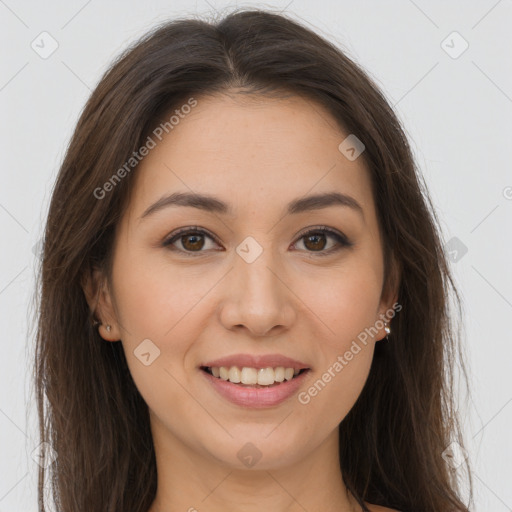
256, 397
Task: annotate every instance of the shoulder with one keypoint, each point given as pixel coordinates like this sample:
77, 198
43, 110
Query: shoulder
378, 508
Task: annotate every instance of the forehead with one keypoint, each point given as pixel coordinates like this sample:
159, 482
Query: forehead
254, 152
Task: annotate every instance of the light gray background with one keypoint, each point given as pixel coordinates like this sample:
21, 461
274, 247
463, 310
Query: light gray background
456, 111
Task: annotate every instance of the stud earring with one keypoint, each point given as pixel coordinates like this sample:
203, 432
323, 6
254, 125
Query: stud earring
108, 328
388, 331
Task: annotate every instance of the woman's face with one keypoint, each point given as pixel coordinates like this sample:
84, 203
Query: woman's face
246, 281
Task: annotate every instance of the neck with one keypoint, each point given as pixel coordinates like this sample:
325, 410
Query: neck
190, 479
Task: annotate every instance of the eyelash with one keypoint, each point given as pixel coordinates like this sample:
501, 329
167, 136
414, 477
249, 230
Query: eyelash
342, 240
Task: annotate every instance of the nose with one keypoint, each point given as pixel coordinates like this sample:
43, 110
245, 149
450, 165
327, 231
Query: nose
257, 298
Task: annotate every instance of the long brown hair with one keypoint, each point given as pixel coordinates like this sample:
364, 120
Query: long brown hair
393, 441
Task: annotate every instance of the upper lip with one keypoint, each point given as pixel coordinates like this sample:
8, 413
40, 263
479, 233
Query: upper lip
256, 361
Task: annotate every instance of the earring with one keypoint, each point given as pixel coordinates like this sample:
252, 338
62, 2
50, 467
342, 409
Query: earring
388, 331
107, 327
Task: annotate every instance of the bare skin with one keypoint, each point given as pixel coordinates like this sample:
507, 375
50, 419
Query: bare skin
197, 304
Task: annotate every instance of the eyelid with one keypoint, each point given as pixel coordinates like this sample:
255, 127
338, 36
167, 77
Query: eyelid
341, 238
343, 241
326, 230
174, 236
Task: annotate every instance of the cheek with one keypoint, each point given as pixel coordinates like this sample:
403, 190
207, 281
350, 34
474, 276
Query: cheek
155, 304
345, 356
346, 301
346, 304
155, 299
334, 391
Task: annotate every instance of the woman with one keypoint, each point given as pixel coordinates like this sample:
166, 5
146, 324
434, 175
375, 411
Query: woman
244, 296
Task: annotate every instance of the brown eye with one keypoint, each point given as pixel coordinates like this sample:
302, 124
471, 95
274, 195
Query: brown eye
315, 241
191, 240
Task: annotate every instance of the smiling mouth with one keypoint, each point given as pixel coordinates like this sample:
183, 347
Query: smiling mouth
254, 377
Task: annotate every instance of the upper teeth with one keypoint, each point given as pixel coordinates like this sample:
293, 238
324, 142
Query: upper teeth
261, 376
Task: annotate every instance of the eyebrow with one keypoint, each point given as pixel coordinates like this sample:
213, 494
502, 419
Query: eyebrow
212, 204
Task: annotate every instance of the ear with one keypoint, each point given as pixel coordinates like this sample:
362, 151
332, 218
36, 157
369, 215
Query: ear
389, 305
97, 294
